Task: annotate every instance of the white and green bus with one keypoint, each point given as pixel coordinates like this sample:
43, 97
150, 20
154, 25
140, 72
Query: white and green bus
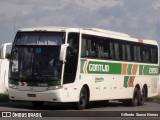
77, 65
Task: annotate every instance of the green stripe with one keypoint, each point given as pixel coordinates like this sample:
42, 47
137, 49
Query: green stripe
141, 69
126, 78
129, 69
148, 70
82, 64
13, 82
97, 67
94, 67
51, 83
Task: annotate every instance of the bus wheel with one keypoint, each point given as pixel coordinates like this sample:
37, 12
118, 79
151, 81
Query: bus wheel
142, 97
83, 99
37, 103
134, 101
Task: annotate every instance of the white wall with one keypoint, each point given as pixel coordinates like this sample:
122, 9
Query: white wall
4, 69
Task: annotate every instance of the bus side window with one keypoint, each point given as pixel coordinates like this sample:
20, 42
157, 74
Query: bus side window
89, 46
154, 55
117, 51
123, 52
106, 49
111, 50
100, 49
84, 52
137, 53
145, 54
128, 50
92, 49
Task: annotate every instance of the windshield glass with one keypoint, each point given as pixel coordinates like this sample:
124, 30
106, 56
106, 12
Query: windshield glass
40, 38
38, 62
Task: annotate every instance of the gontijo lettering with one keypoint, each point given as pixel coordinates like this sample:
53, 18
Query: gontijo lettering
153, 70
99, 67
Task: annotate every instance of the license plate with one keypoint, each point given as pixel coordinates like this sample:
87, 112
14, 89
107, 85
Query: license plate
31, 95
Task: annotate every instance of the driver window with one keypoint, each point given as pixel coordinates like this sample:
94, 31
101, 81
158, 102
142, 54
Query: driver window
71, 58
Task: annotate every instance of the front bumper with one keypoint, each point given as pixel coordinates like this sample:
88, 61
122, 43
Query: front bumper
46, 96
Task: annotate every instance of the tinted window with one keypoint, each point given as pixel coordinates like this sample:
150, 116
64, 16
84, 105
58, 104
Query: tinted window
113, 49
39, 38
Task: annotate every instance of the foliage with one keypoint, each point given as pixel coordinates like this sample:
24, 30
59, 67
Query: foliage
8, 55
4, 98
154, 98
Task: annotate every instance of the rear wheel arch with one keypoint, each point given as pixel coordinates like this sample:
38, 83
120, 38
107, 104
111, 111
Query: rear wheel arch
138, 87
146, 89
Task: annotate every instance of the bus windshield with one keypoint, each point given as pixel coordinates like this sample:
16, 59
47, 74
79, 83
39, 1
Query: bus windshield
35, 57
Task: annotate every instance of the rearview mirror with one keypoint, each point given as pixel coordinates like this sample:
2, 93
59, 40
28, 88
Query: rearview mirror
3, 50
62, 56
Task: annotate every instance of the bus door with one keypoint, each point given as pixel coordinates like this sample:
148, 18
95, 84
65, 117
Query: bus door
70, 68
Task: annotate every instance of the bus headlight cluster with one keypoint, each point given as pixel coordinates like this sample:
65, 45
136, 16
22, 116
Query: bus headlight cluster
13, 86
54, 87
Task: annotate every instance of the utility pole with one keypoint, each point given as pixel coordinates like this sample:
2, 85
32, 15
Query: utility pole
14, 25
17, 23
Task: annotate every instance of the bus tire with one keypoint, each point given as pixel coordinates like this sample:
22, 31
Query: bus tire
37, 103
134, 101
142, 97
83, 99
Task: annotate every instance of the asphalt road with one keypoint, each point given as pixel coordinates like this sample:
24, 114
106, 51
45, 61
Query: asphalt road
93, 111
111, 106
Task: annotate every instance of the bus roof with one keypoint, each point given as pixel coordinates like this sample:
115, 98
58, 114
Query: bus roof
55, 28
49, 28
92, 31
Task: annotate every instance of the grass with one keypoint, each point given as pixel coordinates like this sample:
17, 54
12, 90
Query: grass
4, 98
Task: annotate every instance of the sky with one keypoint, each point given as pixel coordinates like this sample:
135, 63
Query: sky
137, 18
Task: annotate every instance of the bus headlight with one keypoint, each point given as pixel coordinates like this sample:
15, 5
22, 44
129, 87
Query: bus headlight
54, 87
13, 86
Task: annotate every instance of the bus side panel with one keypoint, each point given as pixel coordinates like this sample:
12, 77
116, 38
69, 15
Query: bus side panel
104, 87
108, 87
